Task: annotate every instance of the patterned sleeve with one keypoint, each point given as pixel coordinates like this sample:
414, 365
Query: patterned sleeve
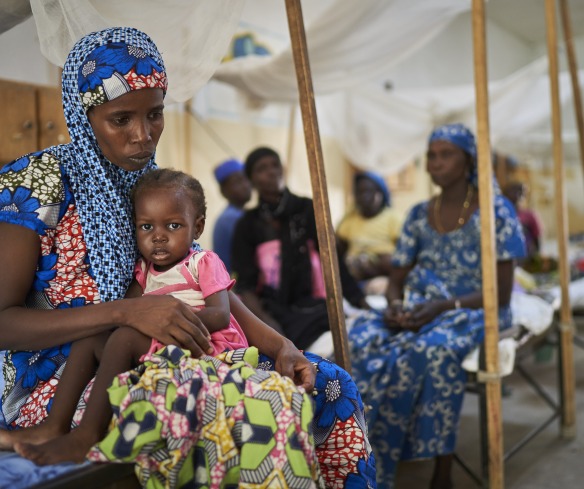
408, 245
32, 192
510, 242
213, 276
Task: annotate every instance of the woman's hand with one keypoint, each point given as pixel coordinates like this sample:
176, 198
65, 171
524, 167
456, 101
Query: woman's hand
422, 314
292, 363
169, 320
394, 314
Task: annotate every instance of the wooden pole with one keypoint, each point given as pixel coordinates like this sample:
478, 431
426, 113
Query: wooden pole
488, 257
572, 63
326, 235
566, 322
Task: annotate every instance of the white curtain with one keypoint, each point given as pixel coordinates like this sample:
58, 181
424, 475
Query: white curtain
383, 131
351, 42
192, 35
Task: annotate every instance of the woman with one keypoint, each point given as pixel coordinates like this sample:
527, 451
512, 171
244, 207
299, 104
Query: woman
275, 256
368, 233
407, 362
68, 243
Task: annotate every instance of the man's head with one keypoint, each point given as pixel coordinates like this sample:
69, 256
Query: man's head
234, 184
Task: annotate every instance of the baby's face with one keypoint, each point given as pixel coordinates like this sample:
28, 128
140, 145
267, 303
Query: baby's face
167, 222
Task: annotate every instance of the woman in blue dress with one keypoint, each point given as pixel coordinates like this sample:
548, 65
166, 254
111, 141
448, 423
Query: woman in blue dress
407, 360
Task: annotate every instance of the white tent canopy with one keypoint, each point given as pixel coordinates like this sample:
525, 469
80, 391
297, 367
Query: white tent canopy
353, 46
349, 43
383, 131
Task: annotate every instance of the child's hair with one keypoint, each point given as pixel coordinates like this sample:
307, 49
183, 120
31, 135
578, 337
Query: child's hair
172, 179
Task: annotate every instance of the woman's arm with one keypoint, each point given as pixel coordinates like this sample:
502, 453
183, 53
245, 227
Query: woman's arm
21, 328
288, 359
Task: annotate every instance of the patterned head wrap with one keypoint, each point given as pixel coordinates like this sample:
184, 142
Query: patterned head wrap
114, 69
377, 180
102, 66
460, 136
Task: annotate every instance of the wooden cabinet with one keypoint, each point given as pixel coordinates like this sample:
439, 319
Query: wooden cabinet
31, 119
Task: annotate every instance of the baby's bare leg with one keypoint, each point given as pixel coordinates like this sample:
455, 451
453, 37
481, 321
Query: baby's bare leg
79, 370
122, 351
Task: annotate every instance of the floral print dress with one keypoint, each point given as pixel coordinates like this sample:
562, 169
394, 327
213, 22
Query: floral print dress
413, 382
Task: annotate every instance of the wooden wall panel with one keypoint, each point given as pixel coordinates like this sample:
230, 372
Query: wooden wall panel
51, 120
18, 122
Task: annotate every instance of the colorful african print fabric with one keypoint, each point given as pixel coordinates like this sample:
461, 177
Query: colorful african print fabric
231, 421
100, 60
78, 203
414, 381
35, 196
181, 418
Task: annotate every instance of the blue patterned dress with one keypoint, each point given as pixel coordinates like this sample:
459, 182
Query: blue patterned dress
414, 381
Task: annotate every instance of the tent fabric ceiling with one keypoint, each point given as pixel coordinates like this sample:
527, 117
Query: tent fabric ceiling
192, 48
351, 44
523, 20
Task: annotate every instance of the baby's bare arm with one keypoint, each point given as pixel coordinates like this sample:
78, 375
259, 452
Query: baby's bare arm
215, 315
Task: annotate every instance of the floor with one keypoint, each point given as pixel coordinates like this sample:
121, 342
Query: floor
548, 460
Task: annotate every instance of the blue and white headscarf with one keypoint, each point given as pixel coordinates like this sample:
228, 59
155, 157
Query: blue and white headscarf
100, 67
457, 134
377, 180
461, 136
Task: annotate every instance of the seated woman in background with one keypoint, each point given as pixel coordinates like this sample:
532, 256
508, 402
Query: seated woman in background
407, 361
275, 257
368, 233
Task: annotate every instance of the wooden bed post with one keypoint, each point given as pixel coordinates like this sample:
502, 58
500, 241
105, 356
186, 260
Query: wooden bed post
326, 235
566, 321
490, 375
572, 63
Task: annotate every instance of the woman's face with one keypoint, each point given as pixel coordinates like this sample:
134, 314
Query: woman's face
368, 197
167, 222
446, 163
267, 175
128, 128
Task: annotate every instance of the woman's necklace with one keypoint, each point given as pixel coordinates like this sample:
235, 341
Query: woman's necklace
461, 217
